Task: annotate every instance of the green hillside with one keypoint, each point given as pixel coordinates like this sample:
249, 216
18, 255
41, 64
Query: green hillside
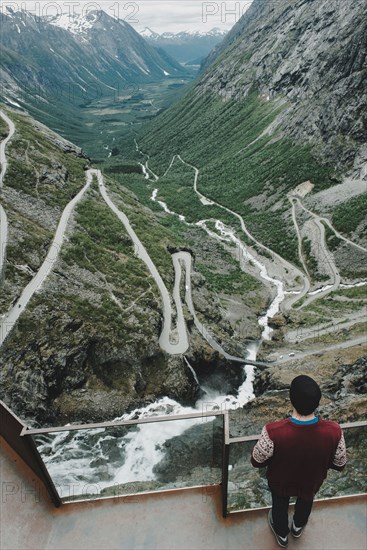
224, 140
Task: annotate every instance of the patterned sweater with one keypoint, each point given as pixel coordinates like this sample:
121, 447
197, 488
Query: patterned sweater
298, 456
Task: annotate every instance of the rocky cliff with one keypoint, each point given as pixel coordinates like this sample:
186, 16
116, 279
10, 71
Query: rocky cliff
310, 54
281, 102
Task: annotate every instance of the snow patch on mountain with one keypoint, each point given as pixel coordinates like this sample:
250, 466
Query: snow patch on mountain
75, 23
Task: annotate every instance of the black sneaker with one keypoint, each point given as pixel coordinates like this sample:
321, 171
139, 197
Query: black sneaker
296, 531
282, 541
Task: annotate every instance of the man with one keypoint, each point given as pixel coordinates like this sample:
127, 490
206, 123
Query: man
298, 452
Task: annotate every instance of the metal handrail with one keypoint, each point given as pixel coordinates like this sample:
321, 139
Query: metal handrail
114, 424
243, 439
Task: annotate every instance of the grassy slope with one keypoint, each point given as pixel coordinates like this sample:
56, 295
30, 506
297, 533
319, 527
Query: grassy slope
30, 152
98, 242
217, 137
168, 232
348, 216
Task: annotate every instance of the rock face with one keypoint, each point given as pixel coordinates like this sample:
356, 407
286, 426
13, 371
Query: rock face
195, 455
93, 380
108, 48
311, 54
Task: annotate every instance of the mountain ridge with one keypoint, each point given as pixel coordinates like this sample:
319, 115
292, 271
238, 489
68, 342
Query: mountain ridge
149, 33
185, 46
57, 74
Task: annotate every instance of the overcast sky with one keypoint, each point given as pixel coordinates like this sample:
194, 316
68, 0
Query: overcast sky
159, 15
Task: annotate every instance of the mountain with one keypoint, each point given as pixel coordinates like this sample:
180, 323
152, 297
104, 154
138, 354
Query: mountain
290, 52
185, 46
148, 33
283, 102
57, 66
76, 46
119, 40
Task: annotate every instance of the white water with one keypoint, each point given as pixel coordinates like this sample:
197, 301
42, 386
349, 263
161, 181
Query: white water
227, 234
164, 206
192, 370
70, 456
345, 286
280, 295
320, 290
145, 172
356, 285
143, 447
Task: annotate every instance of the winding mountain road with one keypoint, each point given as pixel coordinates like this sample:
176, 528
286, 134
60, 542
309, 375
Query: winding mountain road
4, 166
8, 321
182, 343
331, 264
174, 337
186, 259
355, 341
165, 340
328, 222
173, 340
170, 332
325, 253
299, 238
3, 159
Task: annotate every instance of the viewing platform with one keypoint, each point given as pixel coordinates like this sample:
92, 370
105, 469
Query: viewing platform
179, 519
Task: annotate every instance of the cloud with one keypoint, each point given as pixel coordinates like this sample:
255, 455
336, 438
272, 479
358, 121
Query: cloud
160, 15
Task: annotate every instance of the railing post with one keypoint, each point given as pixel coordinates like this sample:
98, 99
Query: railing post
46, 478
225, 464
15, 432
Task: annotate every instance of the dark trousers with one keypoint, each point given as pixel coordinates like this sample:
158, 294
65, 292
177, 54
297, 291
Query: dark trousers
302, 512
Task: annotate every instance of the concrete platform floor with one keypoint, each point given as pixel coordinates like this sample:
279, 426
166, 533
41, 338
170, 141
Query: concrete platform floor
178, 520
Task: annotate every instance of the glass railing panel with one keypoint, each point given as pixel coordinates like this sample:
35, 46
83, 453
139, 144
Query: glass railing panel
247, 486
352, 480
121, 460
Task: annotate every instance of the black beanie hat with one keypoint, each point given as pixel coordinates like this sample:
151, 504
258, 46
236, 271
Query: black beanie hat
305, 394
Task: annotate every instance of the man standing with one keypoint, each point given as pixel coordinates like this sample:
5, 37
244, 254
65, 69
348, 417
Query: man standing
298, 452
